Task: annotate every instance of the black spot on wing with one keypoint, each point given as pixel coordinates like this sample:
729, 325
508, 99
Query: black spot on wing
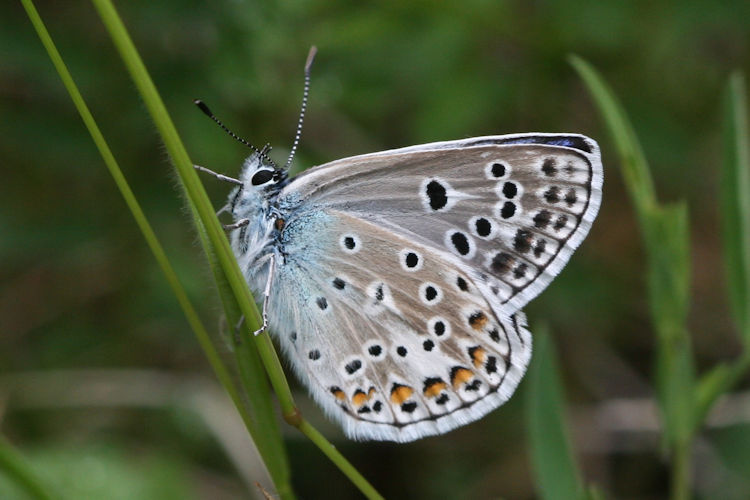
562, 220
497, 169
409, 407
508, 210
501, 263
437, 194
539, 247
510, 189
522, 241
462, 285
483, 227
548, 167
460, 243
352, 367
411, 260
542, 219
552, 195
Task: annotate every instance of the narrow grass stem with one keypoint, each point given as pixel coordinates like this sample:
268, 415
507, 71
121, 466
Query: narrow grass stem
207, 221
337, 458
276, 462
665, 233
680, 480
15, 466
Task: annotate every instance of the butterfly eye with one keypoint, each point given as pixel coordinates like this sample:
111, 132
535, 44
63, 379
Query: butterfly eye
262, 176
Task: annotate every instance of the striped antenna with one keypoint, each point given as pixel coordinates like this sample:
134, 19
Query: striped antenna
298, 134
202, 106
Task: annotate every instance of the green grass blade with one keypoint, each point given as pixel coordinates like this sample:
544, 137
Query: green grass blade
15, 466
208, 225
126, 192
256, 411
256, 392
717, 381
557, 476
735, 222
209, 229
594, 493
675, 386
347, 468
635, 169
667, 241
735, 198
665, 233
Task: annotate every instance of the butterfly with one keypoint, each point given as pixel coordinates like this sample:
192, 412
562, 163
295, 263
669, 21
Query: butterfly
394, 281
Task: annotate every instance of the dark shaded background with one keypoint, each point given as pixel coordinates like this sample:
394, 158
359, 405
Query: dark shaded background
80, 290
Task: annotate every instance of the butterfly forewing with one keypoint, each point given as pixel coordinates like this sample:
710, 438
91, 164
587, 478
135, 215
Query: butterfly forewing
513, 207
393, 338
399, 276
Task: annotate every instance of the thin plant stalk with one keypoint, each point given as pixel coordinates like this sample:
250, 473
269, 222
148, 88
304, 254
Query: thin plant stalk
273, 453
735, 218
209, 226
556, 473
17, 468
665, 233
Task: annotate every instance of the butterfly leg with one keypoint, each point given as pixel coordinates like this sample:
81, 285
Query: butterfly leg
223, 209
219, 176
267, 294
237, 225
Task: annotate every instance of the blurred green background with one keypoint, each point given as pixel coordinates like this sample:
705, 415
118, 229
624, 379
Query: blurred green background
102, 384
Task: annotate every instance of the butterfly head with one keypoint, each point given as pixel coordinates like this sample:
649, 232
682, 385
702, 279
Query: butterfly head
261, 180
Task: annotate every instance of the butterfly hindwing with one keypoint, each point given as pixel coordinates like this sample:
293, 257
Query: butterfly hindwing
514, 207
392, 336
400, 276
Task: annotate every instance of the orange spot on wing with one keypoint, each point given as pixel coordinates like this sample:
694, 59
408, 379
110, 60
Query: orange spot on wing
359, 398
338, 393
460, 376
400, 393
434, 389
478, 355
478, 320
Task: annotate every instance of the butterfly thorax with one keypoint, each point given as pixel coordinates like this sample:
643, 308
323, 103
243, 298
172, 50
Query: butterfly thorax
253, 243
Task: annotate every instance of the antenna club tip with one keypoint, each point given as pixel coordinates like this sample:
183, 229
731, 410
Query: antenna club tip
310, 57
202, 106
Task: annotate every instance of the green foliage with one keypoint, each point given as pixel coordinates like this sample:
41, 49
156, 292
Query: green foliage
664, 229
735, 223
556, 472
106, 471
21, 475
79, 289
254, 404
735, 197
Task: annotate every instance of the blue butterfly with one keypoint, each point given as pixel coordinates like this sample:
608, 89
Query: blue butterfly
394, 281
